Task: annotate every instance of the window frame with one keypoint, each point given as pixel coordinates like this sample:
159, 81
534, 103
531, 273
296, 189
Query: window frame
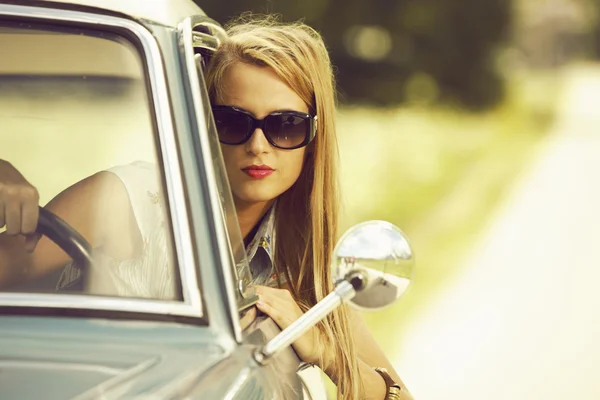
232, 288
191, 309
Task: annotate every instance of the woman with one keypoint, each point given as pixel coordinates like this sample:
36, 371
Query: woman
264, 68
272, 90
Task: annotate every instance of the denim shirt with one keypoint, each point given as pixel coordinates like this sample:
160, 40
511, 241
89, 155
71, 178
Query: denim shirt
260, 253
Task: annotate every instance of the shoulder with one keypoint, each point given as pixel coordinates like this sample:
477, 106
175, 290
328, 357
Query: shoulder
89, 196
136, 170
103, 192
121, 196
141, 183
92, 206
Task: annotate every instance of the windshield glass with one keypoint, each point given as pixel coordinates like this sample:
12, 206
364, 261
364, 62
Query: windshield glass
76, 123
242, 268
242, 274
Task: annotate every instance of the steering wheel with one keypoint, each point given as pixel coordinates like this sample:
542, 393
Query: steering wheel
66, 238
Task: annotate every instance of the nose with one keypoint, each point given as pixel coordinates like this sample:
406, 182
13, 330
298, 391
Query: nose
258, 143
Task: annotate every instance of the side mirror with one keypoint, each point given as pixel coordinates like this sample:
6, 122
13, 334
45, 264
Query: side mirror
372, 267
377, 259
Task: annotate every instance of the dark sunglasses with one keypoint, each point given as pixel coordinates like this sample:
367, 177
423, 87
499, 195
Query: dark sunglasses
283, 129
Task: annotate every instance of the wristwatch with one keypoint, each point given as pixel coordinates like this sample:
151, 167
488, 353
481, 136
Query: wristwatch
392, 388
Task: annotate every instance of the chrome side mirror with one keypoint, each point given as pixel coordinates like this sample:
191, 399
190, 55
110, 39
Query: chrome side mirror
379, 258
372, 267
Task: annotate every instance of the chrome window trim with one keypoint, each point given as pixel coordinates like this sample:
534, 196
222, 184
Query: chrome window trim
191, 306
186, 39
205, 41
210, 40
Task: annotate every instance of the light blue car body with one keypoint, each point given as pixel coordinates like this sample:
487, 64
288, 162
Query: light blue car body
55, 346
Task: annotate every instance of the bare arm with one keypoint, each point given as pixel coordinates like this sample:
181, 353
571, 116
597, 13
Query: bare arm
97, 207
280, 305
370, 356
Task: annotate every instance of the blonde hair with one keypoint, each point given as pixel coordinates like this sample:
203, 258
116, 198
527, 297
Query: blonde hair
297, 54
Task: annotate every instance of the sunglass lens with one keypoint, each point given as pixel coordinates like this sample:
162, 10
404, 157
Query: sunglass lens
232, 126
287, 131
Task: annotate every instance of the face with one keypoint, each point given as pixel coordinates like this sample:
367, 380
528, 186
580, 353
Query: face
257, 171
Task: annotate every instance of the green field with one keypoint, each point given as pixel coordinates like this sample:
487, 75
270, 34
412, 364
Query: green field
438, 174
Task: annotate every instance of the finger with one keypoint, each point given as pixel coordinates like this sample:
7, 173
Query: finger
258, 289
12, 213
2, 219
248, 317
276, 315
266, 289
283, 305
31, 241
274, 295
30, 213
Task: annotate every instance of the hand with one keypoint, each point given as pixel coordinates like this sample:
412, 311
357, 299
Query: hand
283, 309
248, 317
18, 205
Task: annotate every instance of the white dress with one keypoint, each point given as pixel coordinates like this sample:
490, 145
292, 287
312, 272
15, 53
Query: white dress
152, 274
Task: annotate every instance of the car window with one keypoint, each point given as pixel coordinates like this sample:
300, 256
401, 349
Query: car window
205, 39
75, 103
242, 268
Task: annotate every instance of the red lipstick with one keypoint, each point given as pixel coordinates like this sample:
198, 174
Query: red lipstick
258, 171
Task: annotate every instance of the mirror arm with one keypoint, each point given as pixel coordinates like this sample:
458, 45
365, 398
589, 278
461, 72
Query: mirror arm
342, 292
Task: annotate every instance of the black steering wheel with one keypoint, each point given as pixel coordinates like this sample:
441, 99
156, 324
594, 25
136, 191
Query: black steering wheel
66, 238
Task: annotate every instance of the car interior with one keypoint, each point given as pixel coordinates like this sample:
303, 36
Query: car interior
72, 103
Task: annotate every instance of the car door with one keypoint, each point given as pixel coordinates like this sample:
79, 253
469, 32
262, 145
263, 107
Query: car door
286, 374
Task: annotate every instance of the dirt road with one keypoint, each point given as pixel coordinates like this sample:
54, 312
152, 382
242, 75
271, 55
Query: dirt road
523, 320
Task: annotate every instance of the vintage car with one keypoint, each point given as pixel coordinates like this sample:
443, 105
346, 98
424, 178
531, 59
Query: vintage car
90, 85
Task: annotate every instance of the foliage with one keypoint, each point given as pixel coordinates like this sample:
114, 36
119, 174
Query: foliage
439, 175
388, 52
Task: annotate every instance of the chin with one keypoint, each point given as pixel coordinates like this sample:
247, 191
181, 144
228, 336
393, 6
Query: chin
258, 192
253, 198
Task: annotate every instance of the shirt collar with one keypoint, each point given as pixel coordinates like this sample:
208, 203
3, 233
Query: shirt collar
260, 253
264, 237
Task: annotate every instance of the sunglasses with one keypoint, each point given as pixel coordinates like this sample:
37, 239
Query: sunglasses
283, 129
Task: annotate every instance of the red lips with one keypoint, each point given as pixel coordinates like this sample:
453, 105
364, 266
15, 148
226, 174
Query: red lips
258, 171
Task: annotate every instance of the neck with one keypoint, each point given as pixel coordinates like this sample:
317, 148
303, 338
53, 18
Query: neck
250, 213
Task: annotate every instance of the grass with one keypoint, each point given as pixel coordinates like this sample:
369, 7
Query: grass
439, 174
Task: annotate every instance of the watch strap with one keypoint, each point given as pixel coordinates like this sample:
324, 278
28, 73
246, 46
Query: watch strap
392, 388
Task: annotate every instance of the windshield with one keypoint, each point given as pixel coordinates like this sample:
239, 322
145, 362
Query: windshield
76, 121
201, 51
240, 259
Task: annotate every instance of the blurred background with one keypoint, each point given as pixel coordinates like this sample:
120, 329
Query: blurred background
473, 126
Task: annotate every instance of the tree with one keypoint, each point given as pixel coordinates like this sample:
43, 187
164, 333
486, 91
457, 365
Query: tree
387, 52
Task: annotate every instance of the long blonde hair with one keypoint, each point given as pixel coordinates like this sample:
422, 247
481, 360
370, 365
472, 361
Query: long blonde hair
307, 213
